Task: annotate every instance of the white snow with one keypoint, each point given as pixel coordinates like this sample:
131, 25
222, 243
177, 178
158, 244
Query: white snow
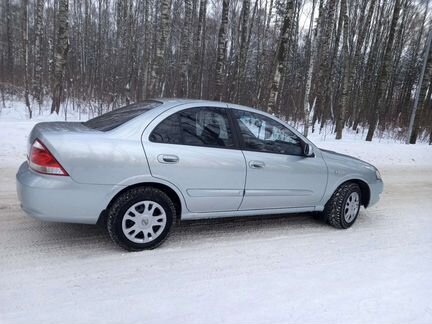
278, 269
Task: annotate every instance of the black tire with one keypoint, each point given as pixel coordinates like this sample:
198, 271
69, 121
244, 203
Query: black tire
126, 200
334, 210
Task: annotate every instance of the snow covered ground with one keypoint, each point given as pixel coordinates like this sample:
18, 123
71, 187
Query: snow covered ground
289, 269
278, 269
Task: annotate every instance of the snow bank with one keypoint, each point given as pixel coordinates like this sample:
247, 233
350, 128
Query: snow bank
382, 152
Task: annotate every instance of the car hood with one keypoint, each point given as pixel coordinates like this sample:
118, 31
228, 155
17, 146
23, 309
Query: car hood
327, 154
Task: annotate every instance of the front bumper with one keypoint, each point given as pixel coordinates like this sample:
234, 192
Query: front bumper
376, 190
59, 198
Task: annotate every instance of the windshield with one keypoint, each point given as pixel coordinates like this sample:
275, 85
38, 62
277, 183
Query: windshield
120, 116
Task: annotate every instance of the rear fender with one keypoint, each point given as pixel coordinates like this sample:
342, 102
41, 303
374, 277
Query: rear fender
145, 180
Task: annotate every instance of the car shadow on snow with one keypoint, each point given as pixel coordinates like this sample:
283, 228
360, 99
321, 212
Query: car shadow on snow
239, 226
75, 237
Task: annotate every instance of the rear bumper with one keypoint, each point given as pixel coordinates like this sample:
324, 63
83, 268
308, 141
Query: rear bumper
59, 198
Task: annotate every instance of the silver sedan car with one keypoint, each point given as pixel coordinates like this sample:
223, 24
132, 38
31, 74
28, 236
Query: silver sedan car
139, 168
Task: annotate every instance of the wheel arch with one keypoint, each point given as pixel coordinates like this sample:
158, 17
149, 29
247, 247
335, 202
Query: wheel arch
364, 188
172, 194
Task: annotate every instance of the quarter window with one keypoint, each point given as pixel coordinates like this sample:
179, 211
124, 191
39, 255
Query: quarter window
168, 131
195, 126
261, 133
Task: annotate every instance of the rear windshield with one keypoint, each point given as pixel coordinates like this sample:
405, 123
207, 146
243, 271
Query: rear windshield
120, 116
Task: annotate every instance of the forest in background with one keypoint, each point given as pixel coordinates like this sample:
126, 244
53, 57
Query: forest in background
347, 63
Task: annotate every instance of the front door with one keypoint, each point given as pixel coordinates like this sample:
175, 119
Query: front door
194, 149
278, 173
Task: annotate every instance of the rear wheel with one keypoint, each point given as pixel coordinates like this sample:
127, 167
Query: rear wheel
342, 209
141, 218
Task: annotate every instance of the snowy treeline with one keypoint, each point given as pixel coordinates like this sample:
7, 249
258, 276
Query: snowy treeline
350, 63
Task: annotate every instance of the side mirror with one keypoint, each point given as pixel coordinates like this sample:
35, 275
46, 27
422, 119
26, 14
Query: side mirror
308, 151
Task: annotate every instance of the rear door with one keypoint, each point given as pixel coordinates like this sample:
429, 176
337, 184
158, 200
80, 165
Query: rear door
278, 173
194, 148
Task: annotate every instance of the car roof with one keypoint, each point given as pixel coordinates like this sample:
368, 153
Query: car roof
168, 103
171, 102
177, 101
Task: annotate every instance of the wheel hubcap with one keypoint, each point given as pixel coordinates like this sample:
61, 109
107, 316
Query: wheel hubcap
352, 206
144, 221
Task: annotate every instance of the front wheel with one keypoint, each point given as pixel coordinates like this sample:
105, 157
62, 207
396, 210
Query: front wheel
140, 218
342, 209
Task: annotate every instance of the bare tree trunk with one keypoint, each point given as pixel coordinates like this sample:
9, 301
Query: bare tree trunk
324, 74
396, 56
368, 80
202, 58
243, 46
221, 50
356, 57
314, 37
186, 47
25, 55
427, 60
199, 45
384, 73
340, 121
279, 62
37, 81
61, 55
158, 73
9, 51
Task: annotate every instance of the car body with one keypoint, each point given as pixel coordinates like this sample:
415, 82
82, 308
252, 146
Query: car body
251, 163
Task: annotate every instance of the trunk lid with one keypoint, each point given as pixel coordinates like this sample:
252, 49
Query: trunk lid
45, 130
56, 127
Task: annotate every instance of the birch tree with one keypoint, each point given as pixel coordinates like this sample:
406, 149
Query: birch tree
345, 84
199, 46
37, 79
244, 33
384, 73
279, 60
158, 75
186, 47
307, 107
25, 56
324, 73
422, 87
221, 50
62, 49
355, 62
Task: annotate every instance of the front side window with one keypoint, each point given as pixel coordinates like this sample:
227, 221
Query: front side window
264, 134
195, 126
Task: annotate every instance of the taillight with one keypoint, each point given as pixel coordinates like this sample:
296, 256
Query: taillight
41, 160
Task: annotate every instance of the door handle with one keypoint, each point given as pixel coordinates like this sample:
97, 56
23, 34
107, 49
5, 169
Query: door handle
168, 158
256, 164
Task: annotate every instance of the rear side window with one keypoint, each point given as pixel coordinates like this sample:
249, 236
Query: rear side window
197, 127
120, 116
